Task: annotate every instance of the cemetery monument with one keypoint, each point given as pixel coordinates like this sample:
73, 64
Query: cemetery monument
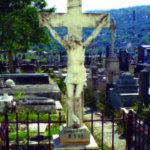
112, 62
75, 132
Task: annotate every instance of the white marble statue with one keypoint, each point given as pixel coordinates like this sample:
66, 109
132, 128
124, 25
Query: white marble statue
76, 73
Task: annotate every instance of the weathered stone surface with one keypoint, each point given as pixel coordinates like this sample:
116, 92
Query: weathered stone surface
125, 92
91, 146
75, 47
44, 90
112, 69
74, 136
27, 78
39, 104
6, 103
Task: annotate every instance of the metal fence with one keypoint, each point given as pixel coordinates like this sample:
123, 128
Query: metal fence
137, 132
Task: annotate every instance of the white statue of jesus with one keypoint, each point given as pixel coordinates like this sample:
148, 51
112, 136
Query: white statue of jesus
76, 73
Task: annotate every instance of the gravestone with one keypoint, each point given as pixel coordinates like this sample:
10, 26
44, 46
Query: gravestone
28, 68
92, 82
125, 92
140, 54
75, 47
124, 64
112, 63
144, 87
36, 104
28, 78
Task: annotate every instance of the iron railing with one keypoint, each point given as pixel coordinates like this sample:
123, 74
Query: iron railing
137, 131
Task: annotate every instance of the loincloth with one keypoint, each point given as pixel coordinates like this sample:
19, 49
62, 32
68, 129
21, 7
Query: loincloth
76, 75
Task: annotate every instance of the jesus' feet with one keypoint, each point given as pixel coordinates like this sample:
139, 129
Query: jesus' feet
75, 121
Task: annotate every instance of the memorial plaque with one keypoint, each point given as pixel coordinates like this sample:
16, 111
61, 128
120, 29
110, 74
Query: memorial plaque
74, 136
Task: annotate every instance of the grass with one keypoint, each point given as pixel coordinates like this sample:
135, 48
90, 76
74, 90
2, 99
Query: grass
97, 137
22, 135
33, 116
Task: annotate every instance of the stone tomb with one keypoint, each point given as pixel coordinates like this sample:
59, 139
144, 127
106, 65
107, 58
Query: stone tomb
112, 69
27, 78
29, 68
40, 104
125, 92
51, 91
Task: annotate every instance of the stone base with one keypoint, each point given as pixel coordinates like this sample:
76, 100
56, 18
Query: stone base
91, 146
74, 136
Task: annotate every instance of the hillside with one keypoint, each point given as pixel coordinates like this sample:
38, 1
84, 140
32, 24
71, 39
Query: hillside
123, 19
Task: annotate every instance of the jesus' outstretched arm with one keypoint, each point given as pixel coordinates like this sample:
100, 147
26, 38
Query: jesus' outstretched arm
54, 33
102, 23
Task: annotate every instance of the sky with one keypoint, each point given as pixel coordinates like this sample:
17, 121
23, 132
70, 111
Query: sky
61, 5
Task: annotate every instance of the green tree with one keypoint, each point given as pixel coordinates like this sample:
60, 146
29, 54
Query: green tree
19, 25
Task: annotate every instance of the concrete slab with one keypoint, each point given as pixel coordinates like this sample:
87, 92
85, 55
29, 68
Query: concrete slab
45, 90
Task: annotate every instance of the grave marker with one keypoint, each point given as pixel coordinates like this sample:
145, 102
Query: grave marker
74, 21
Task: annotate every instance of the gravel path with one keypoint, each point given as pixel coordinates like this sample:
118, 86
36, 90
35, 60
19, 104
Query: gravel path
119, 141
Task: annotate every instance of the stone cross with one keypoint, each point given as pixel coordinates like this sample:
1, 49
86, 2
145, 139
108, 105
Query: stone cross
113, 30
74, 21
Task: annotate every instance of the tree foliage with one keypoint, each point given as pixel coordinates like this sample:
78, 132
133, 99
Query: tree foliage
19, 24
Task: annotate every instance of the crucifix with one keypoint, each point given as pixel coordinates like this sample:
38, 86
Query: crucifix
75, 21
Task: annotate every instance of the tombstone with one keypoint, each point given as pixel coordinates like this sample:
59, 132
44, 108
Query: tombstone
124, 64
36, 104
26, 61
24, 79
144, 54
107, 51
144, 87
94, 71
75, 133
125, 92
94, 78
112, 63
28, 68
140, 54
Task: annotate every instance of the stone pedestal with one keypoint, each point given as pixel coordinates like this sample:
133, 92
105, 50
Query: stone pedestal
112, 69
91, 146
74, 136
